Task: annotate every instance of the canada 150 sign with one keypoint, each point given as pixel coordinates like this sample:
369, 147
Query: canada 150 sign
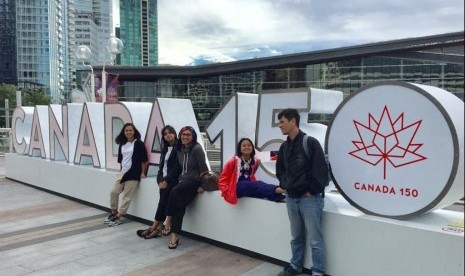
396, 149
386, 149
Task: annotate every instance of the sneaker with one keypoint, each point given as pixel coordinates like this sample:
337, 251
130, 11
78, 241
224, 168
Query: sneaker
110, 218
115, 222
288, 271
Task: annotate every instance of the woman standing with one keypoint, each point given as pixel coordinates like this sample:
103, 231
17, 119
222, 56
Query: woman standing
132, 156
238, 179
167, 178
192, 163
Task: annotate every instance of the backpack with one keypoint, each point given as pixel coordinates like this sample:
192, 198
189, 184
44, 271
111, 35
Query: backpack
305, 145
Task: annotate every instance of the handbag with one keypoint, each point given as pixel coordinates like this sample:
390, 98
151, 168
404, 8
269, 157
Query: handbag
209, 181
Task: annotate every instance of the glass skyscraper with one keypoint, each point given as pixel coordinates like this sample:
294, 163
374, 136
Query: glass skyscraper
7, 41
139, 32
41, 46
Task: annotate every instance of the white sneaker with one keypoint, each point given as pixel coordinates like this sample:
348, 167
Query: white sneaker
110, 218
115, 222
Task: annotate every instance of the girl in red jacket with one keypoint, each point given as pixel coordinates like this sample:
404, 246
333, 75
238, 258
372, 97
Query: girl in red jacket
238, 177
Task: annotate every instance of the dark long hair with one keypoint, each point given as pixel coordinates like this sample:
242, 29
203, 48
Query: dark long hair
121, 138
194, 137
238, 147
165, 144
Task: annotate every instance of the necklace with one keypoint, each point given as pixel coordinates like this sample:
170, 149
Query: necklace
246, 164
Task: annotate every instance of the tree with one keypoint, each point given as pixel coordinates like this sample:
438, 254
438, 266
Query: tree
30, 97
35, 97
7, 91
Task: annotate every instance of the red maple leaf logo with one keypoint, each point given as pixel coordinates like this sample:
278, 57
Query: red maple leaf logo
387, 140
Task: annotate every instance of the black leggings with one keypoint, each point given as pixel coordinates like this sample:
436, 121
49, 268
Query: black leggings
160, 213
181, 196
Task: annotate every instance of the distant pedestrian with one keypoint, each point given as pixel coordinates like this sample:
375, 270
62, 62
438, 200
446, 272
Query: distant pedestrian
304, 177
132, 157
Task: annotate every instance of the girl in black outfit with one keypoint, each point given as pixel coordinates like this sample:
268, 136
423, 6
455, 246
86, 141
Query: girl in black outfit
167, 178
192, 163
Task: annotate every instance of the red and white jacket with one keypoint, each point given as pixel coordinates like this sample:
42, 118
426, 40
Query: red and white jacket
230, 175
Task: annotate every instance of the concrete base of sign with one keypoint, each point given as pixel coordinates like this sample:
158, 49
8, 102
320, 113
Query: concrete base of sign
357, 244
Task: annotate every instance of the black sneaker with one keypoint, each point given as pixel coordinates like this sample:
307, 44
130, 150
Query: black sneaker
288, 271
109, 219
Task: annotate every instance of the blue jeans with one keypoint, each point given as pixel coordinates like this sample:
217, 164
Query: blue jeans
305, 216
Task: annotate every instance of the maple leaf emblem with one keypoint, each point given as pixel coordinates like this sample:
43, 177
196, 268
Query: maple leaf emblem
387, 141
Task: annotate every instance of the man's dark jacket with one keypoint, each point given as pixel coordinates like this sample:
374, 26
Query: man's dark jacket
298, 173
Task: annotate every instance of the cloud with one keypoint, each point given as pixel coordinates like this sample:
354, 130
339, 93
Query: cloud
227, 30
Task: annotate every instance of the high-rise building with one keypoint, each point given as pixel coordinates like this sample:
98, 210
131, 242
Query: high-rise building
42, 45
139, 32
38, 39
8, 41
93, 28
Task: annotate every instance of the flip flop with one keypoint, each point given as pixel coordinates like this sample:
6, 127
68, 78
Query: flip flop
144, 232
167, 231
173, 245
154, 234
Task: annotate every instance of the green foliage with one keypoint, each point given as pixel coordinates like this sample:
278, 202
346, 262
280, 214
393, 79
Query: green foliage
7, 91
35, 97
30, 97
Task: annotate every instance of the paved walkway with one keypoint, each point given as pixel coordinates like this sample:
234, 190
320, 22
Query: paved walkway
43, 234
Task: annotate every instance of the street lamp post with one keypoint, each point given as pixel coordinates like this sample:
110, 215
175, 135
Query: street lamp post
114, 46
83, 53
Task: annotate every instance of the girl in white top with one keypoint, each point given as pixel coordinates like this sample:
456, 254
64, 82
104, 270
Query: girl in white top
132, 155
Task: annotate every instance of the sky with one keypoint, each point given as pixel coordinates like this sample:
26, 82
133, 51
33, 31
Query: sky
195, 32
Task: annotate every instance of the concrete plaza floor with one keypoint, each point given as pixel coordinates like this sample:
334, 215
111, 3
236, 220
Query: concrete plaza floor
44, 234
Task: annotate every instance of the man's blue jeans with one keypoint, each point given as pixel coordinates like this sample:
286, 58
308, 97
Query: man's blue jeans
305, 216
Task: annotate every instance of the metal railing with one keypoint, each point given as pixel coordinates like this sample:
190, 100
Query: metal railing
5, 141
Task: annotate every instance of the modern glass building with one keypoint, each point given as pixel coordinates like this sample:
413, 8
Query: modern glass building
41, 45
92, 28
8, 41
433, 60
139, 32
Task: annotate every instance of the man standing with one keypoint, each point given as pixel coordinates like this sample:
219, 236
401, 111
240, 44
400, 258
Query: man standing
303, 173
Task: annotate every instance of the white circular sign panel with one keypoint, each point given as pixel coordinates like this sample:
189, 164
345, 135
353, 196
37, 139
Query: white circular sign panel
394, 150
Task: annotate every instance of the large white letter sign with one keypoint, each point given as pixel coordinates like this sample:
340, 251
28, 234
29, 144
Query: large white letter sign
74, 122
116, 115
58, 132
179, 113
86, 145
21, 123
39, 133
246, 115
235, 120
396, 149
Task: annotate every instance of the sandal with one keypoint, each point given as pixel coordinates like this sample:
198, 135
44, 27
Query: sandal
167, 231
154, 234
173, 245
143, 233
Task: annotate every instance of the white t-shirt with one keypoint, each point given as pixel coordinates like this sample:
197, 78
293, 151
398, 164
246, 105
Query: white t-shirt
127, 150
165, 166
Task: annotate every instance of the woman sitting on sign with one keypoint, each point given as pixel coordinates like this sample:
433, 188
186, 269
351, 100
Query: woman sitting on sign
192, 163
238, 177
